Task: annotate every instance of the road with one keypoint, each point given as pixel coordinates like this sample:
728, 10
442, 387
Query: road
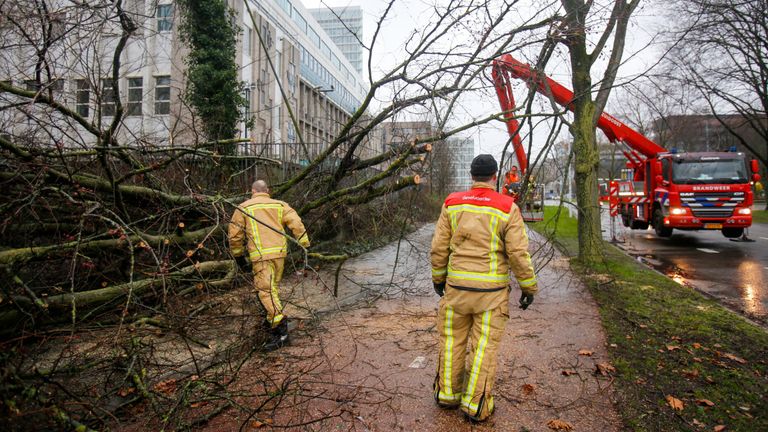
735, 273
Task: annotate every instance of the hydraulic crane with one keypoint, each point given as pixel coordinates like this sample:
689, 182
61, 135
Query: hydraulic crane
667, 190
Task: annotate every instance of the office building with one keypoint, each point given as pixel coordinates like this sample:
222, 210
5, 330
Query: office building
345, 27
284, 57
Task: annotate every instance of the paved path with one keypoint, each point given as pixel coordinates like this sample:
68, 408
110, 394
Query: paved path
371, 367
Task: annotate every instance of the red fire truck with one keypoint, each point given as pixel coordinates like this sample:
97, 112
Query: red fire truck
665, 190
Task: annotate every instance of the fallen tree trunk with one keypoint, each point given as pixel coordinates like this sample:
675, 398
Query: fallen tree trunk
22, 255
85, 300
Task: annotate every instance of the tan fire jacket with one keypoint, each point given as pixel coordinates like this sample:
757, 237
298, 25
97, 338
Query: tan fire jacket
260, 222
479, 236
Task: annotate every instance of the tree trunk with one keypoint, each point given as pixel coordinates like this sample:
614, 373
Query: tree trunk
587, 161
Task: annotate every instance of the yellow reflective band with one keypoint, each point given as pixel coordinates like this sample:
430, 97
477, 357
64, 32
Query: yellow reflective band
254, 228
439, 272
494, 245
485, 330
453, 221
448, 353
274, 292
478, 209
484, 277
237, 252
445, 397
277, 319
525, 283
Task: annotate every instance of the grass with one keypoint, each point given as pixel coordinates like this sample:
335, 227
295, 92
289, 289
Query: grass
760, 216
668, 340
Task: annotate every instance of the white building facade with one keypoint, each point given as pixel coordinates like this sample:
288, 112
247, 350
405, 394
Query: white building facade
284, 56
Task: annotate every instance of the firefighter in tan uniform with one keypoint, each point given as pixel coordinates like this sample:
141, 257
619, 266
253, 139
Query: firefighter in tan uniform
478, 239
256, 237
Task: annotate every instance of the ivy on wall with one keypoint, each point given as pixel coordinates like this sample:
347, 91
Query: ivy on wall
213, 88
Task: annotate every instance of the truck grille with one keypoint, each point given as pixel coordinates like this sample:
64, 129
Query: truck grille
712, 204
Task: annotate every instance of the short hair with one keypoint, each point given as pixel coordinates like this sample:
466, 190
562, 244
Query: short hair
483, 178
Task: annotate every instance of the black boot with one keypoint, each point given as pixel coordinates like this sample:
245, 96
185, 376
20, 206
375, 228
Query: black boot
278, 336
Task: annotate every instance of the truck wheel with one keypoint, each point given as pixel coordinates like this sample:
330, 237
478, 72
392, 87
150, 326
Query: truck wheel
658, 225
638, 225
625, 220
733, 232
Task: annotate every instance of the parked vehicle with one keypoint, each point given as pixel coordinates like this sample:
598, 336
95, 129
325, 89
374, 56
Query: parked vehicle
665, 190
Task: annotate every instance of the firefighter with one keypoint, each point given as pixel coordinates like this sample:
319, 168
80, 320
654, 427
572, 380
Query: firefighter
259, 244
479, 237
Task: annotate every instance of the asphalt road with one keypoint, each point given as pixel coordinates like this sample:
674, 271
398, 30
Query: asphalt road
735, 273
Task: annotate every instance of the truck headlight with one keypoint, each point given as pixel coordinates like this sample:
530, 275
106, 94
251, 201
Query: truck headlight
745, 211
677, 211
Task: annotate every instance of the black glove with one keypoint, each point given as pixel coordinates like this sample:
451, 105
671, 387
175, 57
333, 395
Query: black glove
244, 263
525, 300
439, 288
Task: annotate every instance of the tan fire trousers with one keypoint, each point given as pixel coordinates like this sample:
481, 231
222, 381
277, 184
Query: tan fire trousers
455, 383
266, 278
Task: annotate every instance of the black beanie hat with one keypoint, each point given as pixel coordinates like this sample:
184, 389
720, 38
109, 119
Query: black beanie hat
483, 165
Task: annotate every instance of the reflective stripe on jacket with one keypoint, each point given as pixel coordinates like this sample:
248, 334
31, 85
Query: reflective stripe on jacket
478, 238
259, 224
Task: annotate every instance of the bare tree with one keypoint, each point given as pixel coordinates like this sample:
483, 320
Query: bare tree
577, 24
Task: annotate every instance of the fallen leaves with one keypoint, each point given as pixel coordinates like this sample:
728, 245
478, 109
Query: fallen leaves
604, 369
559, 425
528, 389
586, 352
257, 424
569, 372
675, 403
705, 402
719, 428
672, 347
166, 387
730, 356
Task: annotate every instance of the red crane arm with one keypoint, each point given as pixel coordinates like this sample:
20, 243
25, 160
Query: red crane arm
502, 82
614, 129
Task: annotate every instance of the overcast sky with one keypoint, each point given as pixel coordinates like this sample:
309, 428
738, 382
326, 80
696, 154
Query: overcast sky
406, 16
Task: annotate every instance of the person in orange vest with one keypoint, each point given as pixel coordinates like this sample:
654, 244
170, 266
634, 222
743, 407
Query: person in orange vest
259, 244
478, 238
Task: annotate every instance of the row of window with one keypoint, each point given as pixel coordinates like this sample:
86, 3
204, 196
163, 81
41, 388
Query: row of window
135, 92
297, 18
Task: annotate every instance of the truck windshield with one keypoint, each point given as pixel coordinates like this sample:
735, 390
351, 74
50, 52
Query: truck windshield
709, 171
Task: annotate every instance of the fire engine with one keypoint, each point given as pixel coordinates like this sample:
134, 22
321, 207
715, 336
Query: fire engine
663, 189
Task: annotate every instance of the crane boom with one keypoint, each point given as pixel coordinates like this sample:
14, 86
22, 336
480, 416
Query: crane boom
507, 66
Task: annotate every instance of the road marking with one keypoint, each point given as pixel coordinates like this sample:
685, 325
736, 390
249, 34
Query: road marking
764, 238
711, 251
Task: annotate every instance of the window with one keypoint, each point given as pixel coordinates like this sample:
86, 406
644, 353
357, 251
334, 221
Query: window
82, 98
299, 20
292, 78
135, 96
107, 97
163, 95
31, 85
247, 111
164, 15
247, 40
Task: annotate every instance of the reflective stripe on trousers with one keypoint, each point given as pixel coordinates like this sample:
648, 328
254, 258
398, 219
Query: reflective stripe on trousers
487, 328
266, 279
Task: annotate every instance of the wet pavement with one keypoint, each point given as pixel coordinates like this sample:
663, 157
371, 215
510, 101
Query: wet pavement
733, 272
369, 364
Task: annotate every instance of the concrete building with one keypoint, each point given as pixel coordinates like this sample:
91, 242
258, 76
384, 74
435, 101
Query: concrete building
345, 27
284, 55
462, 151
